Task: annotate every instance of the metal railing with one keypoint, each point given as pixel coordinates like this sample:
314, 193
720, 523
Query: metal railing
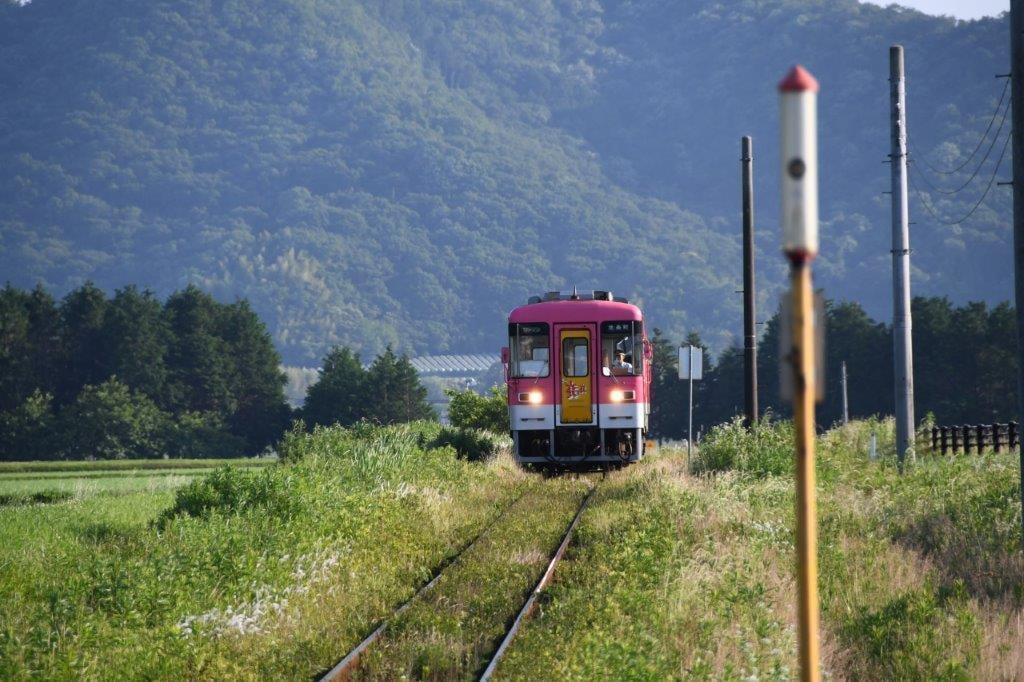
995, 437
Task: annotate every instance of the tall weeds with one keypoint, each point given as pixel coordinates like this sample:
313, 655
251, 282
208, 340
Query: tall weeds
764, 450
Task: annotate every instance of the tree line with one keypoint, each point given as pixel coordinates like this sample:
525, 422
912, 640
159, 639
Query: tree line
131, 376
389, 391
965, 368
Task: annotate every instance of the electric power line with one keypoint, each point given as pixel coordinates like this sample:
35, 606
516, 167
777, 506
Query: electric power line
981, 163
995, 112
991, 181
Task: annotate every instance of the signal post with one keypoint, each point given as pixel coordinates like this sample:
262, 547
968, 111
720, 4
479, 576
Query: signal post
799, 146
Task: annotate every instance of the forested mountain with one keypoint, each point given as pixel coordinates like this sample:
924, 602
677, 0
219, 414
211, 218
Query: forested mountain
404, 172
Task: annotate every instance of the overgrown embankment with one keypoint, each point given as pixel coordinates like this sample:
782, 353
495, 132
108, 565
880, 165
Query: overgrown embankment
675, 571
249, 573
690, 574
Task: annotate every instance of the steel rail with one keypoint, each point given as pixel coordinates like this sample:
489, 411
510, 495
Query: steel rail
531, 602
348, 665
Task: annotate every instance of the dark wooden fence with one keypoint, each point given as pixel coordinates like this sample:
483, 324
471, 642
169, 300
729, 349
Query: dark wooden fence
996, 437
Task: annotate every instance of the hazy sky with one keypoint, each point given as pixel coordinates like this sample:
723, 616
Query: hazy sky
961, 9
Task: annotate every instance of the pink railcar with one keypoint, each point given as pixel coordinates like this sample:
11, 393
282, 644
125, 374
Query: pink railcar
578, 368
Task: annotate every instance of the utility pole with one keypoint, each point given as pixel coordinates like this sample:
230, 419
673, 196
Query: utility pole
689, 429
749, 315
799, 147
1017, 104
691, 367
903, 351
846, 404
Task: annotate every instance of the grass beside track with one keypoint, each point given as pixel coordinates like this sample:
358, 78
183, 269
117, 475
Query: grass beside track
675, 575
277, 571
47, 482
74, 487
80, 467
452, 632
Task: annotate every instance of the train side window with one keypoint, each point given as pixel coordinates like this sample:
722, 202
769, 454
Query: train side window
575, 351
530, 348
622, 351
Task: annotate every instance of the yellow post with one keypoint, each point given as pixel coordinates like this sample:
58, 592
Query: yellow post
799, 147
804, 391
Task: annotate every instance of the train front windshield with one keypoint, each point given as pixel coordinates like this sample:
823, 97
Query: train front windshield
622, 348
530, 346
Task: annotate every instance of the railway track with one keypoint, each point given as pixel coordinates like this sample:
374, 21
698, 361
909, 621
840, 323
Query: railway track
350, 663
348, 666
531, 601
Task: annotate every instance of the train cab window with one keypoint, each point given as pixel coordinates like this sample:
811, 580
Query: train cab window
622, 348
575, 353
530, 346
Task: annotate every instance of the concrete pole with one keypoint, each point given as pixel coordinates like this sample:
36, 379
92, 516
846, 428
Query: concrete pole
689, 430
1017, 104
749, 313
903, 351
846, 404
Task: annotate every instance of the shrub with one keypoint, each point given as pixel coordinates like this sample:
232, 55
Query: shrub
273, 490
918, 635
764, 450
470, 410
470, 444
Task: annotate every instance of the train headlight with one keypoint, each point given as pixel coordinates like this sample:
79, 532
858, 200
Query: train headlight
536, 397
617, 396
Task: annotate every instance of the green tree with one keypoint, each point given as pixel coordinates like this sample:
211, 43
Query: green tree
109, 421
49, 356
866, 347
15, 348
255, 379
468, 409
201, 434
340, 395
199, 369
669, 397
394, 391
965, 361
26, 432
723, 390
82, 314
135, 341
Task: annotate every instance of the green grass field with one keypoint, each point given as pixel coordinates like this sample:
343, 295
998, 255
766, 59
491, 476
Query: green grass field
78, 467
41, 482
675, 571
690, 576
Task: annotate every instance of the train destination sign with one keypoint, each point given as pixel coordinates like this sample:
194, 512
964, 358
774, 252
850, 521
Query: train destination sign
535, 329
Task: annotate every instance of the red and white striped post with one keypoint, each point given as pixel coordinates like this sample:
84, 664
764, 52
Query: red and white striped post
799, 146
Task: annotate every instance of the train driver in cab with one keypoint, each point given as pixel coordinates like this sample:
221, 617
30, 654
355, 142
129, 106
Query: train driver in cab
617, 365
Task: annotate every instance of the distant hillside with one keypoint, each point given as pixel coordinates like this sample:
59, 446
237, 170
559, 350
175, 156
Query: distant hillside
406, 172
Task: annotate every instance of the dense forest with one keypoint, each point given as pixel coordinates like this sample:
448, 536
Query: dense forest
965, 369
128, 376
397, 172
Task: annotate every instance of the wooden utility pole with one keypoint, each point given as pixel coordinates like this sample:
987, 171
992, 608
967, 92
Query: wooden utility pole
846, 404
749, 314
1017, 105
800, 244
903, 351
